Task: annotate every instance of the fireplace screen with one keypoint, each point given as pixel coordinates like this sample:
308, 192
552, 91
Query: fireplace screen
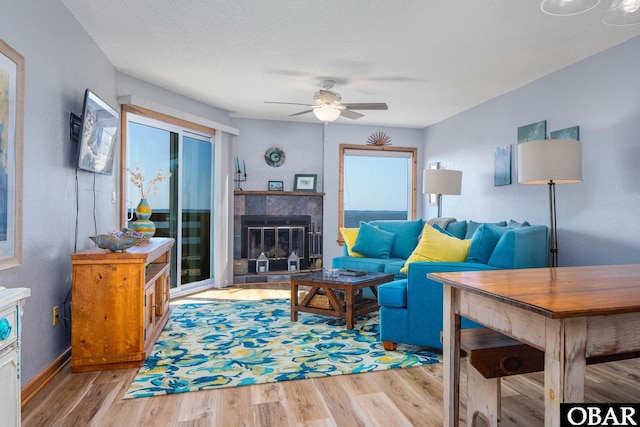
276, 236
276, 242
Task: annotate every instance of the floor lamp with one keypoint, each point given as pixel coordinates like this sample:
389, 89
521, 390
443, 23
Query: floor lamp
441, 181
551, 162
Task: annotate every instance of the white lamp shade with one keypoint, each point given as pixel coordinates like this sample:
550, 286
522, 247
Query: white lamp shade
557, 160
441, 181
326, 113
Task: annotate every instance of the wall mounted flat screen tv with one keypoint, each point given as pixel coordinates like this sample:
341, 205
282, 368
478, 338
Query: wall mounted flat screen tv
97, 135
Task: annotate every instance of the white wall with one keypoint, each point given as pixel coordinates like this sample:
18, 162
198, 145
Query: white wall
301, 143
598, 219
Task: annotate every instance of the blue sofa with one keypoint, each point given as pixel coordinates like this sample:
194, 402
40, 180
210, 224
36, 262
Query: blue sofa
411, 306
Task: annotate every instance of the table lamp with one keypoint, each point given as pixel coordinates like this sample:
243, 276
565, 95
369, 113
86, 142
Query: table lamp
441, 181
551, 162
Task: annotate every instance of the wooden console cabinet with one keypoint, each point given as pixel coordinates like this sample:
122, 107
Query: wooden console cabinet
120, 303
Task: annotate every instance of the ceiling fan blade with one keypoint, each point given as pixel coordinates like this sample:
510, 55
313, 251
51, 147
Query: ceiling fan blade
366, 106
300, 113
288, 103
350, 114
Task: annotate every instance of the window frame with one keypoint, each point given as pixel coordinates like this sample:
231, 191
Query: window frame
385, 148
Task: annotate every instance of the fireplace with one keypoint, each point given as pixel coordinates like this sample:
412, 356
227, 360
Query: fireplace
277, 237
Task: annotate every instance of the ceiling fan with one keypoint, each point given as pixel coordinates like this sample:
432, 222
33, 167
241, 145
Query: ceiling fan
327, 106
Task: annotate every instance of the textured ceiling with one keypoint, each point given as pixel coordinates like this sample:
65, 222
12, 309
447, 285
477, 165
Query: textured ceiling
427, 59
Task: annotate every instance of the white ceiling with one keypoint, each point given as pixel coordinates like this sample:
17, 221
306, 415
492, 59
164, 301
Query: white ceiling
427, 59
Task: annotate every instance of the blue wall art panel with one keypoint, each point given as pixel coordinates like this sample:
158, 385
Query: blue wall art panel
502, 166
572, 133
532, 132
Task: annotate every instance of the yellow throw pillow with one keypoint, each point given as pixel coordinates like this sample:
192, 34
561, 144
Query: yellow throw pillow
435, 246
350, 235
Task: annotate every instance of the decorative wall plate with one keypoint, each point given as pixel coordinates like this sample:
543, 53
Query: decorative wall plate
274, 157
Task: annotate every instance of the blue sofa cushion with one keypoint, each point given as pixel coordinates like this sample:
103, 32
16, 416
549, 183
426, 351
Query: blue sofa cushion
472, 226
516, 224
521, 248
457, 229
394, 267
407, 235
368, 264
483, 242
393, 294
373, 242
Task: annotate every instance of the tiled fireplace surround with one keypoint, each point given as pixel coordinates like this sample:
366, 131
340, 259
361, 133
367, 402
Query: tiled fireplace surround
269, 203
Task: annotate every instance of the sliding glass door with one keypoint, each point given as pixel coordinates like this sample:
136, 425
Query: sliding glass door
181, 206
196, 207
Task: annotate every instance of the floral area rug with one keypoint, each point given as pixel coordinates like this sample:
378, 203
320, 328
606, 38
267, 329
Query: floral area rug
236, 343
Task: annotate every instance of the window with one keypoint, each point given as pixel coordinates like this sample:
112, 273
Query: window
376, 183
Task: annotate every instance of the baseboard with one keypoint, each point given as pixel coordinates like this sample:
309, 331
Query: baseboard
45, 376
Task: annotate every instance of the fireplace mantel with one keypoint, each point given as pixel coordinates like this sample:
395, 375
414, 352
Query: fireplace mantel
276, 193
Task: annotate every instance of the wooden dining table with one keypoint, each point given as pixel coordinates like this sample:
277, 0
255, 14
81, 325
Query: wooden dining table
570, 313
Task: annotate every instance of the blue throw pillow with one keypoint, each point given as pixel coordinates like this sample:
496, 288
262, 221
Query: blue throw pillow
457, 229
483, 242
472, 226
407, 235
442, 230
516, 224
373, 242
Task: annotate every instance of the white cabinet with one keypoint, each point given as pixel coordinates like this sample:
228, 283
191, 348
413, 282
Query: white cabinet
11, 302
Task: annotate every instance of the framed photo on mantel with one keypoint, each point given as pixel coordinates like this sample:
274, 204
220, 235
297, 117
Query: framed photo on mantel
303, 182
276, 186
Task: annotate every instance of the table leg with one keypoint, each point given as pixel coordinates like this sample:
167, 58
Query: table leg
294, 302
374, 289
564, 365
451, 357
349, 307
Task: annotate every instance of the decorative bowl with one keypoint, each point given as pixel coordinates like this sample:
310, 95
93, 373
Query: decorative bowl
114, 243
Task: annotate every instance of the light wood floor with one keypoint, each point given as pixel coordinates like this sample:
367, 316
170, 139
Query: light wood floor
400, 397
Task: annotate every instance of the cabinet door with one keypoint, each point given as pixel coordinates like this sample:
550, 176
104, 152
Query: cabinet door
10, 387
149, 312
162, 293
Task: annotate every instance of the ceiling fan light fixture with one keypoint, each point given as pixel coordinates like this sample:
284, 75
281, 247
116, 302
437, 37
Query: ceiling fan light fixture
326, 113
623, 12
567, 7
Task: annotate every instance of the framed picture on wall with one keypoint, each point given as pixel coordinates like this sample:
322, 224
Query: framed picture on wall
276, 186
11, 124
304, 182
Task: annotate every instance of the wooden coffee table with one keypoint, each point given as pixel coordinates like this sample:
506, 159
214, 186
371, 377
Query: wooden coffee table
349, 284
